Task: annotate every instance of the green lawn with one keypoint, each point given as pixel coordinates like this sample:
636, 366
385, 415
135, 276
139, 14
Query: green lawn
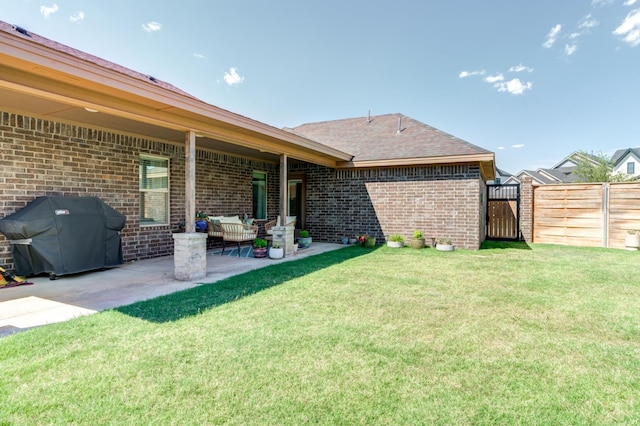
510, 334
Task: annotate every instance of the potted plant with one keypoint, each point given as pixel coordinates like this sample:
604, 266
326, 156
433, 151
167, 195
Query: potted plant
345, 240
259, 247
304, 240
632, 240
395, 241
444, 244
367, 241
418, 240
276, 252
353, 240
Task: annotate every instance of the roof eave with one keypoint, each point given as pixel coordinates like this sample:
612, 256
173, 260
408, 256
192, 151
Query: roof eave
486, 161
129, 97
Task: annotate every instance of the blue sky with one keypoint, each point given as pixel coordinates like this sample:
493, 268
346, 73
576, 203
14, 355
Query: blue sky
532, 81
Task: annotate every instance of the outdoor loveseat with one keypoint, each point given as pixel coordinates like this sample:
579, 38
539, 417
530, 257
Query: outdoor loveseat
231, 228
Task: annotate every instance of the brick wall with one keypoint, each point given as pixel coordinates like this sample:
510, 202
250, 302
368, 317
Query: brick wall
442, 201
526, 209
41, 157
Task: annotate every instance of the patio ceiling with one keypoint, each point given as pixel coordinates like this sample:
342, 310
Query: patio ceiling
49, 83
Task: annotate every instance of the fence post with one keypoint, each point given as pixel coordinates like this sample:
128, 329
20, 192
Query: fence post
605, 215
526, 209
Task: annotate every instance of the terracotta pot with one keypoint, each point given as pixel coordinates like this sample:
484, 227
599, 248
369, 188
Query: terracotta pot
259, 252
417, 243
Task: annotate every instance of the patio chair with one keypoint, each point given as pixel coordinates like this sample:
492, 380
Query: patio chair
238, 233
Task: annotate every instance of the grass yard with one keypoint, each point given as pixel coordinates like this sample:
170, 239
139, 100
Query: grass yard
510, 334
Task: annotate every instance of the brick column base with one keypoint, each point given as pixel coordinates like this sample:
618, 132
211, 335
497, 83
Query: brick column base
283, 235
190, 256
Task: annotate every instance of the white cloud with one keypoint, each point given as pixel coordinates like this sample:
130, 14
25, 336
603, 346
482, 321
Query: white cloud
520, 68
232, 77
501, 147
629, 2
198, 55
570, 49
494, 78
465, 74
552, 36
588, 22
77, 17
152, 26
601, 2
48, 10
519, 145
514, 86
629, 30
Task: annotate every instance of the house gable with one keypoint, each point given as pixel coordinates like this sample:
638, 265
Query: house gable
627, 160
394, 140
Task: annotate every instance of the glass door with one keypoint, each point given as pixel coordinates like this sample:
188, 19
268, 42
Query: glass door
296, 201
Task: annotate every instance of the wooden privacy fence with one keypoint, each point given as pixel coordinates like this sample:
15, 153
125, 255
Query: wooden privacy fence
593, 214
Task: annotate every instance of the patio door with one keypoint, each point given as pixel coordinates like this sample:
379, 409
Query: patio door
297, 199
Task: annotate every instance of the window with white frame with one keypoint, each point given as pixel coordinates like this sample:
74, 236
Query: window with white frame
631, 168
259, 195
154, 190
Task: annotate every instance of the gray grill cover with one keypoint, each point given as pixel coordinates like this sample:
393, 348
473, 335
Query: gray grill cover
64, 235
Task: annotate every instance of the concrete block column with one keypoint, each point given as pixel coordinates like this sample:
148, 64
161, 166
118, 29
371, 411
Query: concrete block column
190, 256
284, 236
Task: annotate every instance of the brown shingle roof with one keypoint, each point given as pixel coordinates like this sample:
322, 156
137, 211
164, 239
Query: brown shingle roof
378, 138
8, 28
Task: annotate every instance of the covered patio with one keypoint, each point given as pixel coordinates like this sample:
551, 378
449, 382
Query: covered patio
46, 86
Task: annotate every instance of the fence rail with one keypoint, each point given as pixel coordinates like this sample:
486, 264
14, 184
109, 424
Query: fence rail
595, 214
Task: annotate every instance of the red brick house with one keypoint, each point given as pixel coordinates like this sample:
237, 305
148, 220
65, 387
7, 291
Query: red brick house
76, 125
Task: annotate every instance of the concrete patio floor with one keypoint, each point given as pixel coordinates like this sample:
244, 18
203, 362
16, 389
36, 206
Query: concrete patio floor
50, 301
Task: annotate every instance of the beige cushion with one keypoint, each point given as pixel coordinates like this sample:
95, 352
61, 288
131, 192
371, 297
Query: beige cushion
231, 219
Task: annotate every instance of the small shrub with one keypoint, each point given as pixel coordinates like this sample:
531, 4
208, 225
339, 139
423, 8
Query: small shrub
444, 241
418, 234
396, 238
304, 234
259, 243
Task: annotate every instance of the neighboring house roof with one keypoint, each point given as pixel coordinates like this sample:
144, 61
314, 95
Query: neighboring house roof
561, 172
502, 173
621, 155
572, 159
537, 177
395, 139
